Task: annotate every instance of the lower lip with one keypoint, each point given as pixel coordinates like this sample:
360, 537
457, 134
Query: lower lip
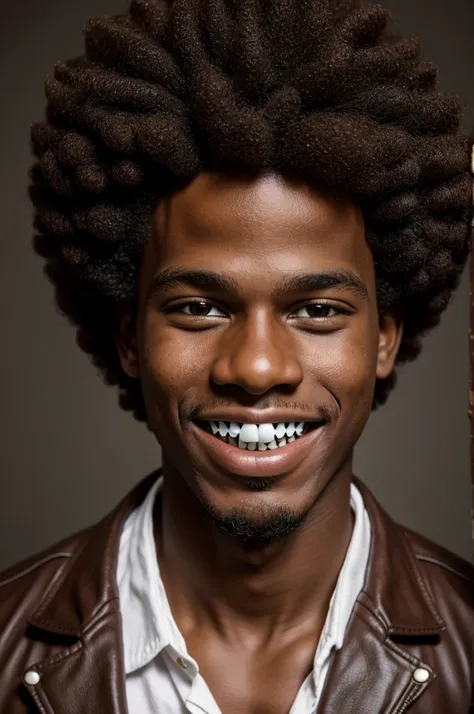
272, 462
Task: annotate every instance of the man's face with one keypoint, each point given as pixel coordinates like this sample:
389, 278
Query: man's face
244, 343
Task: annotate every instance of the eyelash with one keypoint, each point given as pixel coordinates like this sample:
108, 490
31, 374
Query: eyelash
178, 309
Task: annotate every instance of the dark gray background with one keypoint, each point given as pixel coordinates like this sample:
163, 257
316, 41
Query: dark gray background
68, 454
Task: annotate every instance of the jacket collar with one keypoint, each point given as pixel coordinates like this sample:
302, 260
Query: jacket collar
88, 581
394, 584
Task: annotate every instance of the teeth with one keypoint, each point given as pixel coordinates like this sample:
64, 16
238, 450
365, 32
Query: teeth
249, 432
257, 436
223, 429
234, 429
280, 430
266, 433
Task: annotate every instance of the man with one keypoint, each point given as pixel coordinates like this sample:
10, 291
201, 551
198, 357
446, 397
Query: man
251, 211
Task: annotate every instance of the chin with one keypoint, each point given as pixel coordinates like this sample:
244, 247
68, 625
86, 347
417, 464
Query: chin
255, 520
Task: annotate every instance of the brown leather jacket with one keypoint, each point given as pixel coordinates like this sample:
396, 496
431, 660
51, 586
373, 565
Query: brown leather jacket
60, 623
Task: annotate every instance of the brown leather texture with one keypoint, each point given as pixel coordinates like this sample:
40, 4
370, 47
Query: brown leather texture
413, 620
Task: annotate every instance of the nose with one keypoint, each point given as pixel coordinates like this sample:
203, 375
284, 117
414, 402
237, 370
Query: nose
258, 354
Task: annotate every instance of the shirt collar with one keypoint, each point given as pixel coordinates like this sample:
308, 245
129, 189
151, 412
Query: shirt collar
351, 576
147, 622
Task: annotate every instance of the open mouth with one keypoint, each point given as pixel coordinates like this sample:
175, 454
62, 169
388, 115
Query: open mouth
257, 437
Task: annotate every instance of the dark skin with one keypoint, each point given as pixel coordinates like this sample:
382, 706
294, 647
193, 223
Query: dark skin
256, 610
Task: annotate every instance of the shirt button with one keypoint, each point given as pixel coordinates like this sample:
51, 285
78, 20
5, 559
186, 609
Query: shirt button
181, 662
421, 675
32, 678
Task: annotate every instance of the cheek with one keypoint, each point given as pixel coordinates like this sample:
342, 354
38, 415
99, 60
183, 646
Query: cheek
171, 362
346, 363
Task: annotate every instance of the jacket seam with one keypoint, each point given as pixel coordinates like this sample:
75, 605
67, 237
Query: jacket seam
407, 656
386, 626
48, 625
54, 589
33, 567
375, 613
102, 611
44, 664
37, 701
435, 561
96, 617
424, 587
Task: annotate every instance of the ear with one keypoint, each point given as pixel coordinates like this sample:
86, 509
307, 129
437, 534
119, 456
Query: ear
126, 343
390, 337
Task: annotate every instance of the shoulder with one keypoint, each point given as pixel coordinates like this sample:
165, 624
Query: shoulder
55, 554
447, 576
450, 577
89, 552
435, 558
24, 584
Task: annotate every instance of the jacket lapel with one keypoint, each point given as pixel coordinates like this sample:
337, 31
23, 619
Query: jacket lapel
372, 670
88, 675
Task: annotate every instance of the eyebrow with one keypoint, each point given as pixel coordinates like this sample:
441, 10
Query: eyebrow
340, 278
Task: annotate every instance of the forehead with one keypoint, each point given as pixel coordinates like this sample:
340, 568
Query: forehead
252, 225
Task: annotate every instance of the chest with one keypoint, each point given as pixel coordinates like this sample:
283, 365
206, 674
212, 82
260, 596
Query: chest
258, 682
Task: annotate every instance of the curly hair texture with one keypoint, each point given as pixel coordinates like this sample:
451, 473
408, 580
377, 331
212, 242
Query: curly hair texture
322, 90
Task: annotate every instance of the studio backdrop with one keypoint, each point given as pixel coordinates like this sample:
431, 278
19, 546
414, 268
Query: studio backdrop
68, 454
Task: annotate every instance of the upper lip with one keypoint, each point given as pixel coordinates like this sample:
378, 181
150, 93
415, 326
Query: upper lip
267, 416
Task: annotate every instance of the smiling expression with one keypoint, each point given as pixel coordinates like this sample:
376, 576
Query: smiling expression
257, 297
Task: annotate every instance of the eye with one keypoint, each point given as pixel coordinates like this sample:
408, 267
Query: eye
319, 310
196, 308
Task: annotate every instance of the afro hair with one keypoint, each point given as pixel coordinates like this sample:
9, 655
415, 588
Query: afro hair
322, 90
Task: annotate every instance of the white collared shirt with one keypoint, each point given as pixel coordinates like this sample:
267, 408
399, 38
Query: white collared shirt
160, 674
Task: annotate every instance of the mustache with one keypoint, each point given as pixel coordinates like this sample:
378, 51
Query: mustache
325, 410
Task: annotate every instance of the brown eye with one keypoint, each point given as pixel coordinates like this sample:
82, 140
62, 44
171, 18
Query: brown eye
195, 308
319, 310
199, 308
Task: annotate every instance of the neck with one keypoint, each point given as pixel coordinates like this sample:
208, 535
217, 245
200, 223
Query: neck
267, 589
